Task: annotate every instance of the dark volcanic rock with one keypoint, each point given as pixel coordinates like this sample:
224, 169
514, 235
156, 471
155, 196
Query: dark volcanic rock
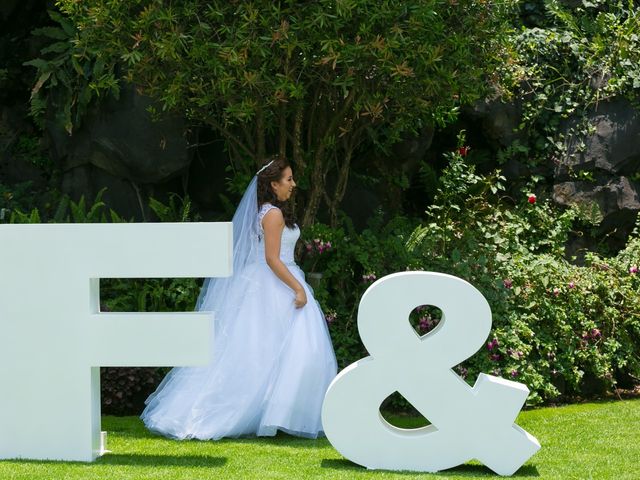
610, 156
121, 139
498, 121
411, 150
614, 204
614, 148
123, 196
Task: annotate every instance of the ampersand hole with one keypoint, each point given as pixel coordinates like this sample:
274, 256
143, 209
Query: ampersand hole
397, 411
425, 318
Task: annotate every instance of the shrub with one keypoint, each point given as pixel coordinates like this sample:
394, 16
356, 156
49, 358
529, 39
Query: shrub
562, 329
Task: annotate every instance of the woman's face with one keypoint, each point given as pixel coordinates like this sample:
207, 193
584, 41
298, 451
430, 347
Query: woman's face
283, 188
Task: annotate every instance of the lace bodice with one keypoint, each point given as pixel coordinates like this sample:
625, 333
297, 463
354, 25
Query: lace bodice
287, 243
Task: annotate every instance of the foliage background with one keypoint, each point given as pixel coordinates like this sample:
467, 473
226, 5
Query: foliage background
317, 82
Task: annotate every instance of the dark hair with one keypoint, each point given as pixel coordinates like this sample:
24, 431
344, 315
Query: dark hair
274, 173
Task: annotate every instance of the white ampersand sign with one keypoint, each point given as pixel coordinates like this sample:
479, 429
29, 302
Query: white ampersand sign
466, 423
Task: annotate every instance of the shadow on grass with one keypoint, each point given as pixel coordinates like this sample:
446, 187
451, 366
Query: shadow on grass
462, 470
136, 460
281, 439
162, 460
481, 470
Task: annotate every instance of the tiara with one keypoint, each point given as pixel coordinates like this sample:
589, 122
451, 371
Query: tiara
263, 168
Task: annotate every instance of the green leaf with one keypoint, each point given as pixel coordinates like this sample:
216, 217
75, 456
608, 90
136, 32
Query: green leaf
58, 47
51, 32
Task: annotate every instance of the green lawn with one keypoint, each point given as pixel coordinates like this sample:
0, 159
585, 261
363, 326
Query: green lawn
594, 440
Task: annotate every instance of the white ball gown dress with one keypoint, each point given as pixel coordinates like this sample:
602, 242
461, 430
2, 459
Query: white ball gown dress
271, 364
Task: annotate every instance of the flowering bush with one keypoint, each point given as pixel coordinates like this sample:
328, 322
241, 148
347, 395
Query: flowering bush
317, 245
355, 261
562, 329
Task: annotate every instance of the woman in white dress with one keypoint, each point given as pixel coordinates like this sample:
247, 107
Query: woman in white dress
272, 358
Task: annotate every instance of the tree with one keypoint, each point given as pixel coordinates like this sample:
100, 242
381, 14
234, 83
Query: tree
315, 81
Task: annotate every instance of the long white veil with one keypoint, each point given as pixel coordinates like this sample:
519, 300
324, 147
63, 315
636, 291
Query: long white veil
245, 242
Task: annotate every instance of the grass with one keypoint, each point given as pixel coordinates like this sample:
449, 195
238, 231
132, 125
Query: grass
585, 441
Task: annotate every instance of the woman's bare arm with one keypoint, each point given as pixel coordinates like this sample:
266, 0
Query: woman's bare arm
273, 225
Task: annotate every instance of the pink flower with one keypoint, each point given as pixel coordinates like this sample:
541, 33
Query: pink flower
495, 357
426, 323
369, 277
514, 373
571, 285
633, 269
556, 291
595, 333
331, 317
532, 199
515, 353
463, 151
492, 344
507, 282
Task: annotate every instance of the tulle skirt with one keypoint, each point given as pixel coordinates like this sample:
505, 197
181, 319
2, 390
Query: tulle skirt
271, 366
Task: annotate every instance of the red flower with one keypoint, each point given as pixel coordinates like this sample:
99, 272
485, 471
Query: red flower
532, 199
462, 151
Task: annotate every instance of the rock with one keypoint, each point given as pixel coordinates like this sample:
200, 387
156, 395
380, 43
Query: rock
121, 194
207, 174
411, 150
615, 195
498, 121
609, 158
613, 205
614, 148
120, 138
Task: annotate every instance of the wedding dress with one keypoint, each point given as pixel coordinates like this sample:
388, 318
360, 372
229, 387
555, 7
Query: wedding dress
271, 363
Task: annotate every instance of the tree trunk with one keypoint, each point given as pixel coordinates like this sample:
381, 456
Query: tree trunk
319, 172
341, 187
298, 157
315, 192
282, 141
260, 138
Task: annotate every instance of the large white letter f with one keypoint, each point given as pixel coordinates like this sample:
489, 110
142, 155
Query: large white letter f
53, 338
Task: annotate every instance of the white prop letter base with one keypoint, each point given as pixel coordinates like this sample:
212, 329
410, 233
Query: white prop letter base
467, 422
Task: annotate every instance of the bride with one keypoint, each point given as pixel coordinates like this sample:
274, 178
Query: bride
272, 358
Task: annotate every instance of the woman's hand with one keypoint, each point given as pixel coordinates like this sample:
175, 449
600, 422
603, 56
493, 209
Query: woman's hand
301, 298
